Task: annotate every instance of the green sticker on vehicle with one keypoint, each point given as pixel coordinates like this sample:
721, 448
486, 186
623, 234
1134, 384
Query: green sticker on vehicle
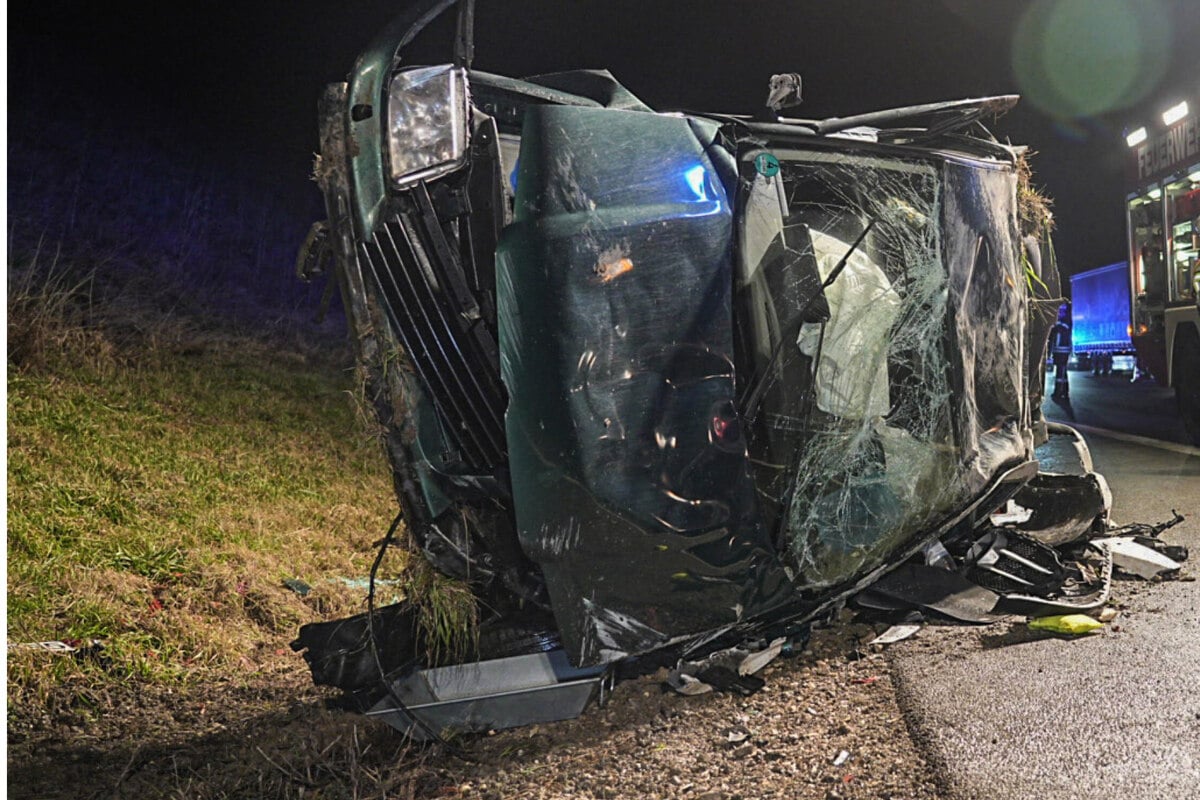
766, 165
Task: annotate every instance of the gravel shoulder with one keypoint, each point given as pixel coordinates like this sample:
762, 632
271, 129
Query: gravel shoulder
271, 736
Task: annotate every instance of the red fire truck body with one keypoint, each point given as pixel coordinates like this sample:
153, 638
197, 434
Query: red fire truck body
1163, 217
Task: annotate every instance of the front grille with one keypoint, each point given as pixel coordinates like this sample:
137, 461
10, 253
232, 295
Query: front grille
449, 352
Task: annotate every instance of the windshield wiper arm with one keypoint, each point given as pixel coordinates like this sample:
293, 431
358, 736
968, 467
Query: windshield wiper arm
755, 393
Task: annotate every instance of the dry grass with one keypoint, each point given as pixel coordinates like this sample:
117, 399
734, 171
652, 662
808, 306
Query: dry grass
49, 308
1034, 207
164, 478
168, 471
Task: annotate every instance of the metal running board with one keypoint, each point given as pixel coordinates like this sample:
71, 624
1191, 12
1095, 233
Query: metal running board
492, 695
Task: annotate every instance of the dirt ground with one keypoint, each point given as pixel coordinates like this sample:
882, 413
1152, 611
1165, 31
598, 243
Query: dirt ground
270, 735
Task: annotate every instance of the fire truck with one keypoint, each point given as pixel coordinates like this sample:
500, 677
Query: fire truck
1163, 217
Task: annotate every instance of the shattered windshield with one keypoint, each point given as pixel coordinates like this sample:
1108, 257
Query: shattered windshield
848, 393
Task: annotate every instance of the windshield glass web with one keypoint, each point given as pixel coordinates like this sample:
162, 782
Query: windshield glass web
847, 394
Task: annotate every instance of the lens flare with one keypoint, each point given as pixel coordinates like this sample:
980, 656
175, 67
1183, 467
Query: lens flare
1081, 58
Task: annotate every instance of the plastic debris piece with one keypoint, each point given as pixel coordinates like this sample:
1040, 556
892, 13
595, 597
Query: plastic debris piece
756, 661
726, 680
1070, 624
939, 590
298, 586
1175, 552
1142, 529
841, 758
896, 633
685, 684
1108, 615
736, 735
731, 669
1137, 559
56, 646
364, 583
1013, 514
936, 555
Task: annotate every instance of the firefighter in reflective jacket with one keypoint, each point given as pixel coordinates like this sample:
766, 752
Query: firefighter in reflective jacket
1060, 351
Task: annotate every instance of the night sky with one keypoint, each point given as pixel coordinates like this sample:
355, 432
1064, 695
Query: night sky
243, 78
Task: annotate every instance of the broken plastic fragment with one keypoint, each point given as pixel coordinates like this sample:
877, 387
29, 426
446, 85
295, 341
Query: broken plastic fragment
736, 735
731, 669
687, 685
57, 646
896, 633
1013, 514
923, 586
1070, 624
936, 555
1137, 559
298, 586
841, 758
756, 661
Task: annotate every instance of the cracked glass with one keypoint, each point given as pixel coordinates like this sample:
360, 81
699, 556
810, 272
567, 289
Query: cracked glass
857, 276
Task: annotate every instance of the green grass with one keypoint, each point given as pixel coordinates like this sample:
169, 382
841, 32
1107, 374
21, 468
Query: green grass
157, 503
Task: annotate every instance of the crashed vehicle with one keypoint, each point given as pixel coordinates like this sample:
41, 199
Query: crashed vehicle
654, 384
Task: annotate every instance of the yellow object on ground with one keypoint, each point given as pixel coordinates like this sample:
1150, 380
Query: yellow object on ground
1073, 624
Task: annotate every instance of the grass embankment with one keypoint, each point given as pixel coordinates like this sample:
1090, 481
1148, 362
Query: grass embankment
162, 485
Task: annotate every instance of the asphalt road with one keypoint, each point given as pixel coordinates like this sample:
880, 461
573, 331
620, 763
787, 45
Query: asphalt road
1115, 403
1007, 714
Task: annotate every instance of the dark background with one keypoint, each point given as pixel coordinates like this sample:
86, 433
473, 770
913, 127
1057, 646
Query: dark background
230, 88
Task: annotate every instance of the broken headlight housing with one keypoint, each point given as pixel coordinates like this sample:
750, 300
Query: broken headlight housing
427, 123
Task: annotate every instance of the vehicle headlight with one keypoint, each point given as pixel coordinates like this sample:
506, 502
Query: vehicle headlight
427, 122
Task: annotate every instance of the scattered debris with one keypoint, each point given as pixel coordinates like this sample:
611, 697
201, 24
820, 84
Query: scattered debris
1138, 559
896, 633
756, 661
59, 645
841, 758
687, 685
1152, 531
298, 586
1013, 514
1069, 624
923, 586
1108, 615
736, 735
730, 670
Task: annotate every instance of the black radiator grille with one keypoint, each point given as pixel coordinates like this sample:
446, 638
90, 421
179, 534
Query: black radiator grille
449, 352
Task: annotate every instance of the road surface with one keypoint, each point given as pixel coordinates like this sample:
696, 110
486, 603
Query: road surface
1115, 403
1008, 715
